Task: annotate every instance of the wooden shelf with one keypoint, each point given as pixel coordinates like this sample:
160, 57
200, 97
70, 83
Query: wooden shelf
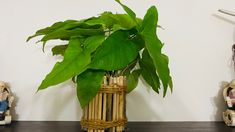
70, 126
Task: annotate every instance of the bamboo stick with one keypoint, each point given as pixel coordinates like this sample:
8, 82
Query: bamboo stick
109, 103
121, 106
90, 115
99, 108
114, 105
124, 99
93, 111
104, 102
96, 109
118, 105
85, 112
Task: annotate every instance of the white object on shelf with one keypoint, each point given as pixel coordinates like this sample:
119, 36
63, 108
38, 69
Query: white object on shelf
6, 121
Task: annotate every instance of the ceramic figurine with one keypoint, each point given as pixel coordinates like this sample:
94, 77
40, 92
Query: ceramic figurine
229, 94
6, 100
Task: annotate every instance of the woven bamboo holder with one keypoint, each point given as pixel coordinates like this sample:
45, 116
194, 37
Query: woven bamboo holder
107, 111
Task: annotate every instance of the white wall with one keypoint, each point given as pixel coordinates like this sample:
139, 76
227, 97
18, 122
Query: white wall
197, 39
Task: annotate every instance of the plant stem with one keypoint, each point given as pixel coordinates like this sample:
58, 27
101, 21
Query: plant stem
127, 67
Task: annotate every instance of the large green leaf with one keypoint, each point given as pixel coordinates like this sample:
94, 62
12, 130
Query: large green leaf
117, 52
59, 49
66, 30
52, 28
128, 10
95, 21
113, 21
75, 62
66, 34
93, 42
154, 46
106, 19
88, 84
66, 25
124, 22
132, 80
171, 84
148, 71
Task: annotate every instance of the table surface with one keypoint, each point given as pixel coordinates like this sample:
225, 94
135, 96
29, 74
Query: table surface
68, 126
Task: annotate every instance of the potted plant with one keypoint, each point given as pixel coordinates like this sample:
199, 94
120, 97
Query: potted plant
104, 57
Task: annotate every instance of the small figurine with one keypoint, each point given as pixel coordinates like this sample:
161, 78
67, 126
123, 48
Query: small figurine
6, 100
229, 94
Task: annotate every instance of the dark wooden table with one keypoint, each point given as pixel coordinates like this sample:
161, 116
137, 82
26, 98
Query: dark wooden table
28, 126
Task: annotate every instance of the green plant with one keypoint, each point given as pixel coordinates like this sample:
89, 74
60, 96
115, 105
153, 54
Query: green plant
111, 45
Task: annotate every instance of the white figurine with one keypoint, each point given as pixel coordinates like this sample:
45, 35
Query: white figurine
6, 100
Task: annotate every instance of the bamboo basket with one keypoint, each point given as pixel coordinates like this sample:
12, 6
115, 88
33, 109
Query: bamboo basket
107, 111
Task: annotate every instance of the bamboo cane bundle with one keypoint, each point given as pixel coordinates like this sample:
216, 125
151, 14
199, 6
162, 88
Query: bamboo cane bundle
106, 112
114, 112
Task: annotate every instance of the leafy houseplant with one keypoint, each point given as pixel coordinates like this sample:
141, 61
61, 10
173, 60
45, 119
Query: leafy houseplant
111, 45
